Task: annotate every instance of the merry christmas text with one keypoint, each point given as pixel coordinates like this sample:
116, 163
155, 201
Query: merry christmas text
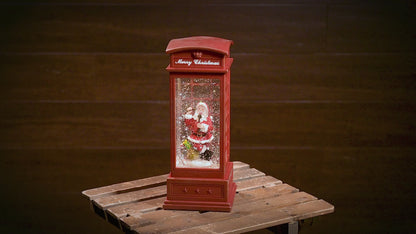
197, 62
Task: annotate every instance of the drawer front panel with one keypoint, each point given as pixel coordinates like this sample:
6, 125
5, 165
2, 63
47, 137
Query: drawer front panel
198, 192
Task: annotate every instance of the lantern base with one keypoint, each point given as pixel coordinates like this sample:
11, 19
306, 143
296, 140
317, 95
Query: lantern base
203, 194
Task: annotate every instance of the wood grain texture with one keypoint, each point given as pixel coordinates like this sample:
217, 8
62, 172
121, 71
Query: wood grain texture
84, 77
251, 215
142, 77
354, 172
256, 221
258, 207
145, 125
149, 27
371, 28
83, 92
135, 208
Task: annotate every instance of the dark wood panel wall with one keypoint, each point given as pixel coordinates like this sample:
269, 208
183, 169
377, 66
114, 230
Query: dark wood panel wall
323, 98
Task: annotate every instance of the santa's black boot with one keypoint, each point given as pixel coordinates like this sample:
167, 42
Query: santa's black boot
207, 155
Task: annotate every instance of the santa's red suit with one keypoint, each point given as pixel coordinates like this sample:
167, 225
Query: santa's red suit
200, 125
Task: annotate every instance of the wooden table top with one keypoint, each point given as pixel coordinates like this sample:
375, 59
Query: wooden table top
261, 201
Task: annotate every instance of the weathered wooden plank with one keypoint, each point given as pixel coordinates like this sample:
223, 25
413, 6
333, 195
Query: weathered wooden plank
195, 230
85, 77
137, 207
135, 210
241, 210
86, 168
237, 165
256, 182
125, 195
153, 218
113, 214
263, 192
137, 218
51, 176
149, 27
95, 193
263, 219
106, 202
135, 191
384, 168
310, 209
247, 174
255, 77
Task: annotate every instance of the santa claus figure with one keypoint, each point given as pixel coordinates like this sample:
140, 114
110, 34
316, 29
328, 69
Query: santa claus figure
200, 125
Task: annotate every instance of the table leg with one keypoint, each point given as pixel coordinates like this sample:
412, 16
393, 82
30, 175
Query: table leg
292, 228
288, 228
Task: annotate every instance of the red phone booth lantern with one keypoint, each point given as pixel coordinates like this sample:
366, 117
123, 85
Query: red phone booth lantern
201, 175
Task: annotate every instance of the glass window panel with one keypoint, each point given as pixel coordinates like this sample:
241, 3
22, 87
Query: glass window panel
197, 114
203, 91
216, 91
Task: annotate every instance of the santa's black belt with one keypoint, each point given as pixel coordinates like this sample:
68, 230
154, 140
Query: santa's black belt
199, 134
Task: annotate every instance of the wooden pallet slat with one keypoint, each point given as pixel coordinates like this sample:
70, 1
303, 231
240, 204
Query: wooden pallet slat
263, 193
256, 182
137, 207
261, 201
261, 220
246, 201
243, 209
246, 174
136, 184
244, 198
237, 165
124, 198
152, 219
123, 187
120, 194
115, 213
310, 209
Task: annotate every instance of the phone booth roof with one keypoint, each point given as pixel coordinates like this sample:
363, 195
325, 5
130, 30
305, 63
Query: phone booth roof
214, 44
